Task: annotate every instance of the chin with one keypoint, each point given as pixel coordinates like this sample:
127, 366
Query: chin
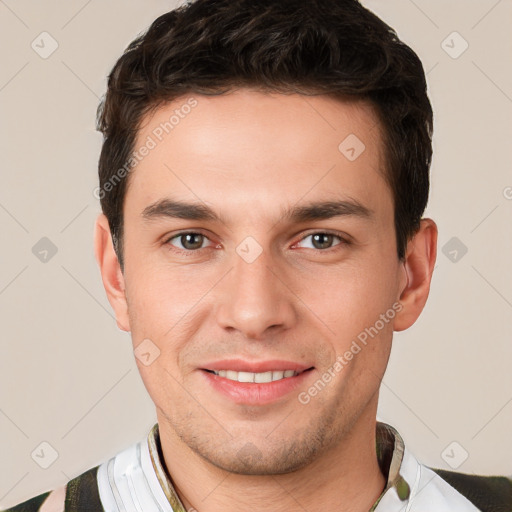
251, 460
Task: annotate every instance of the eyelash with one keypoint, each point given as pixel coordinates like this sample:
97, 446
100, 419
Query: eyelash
190, 252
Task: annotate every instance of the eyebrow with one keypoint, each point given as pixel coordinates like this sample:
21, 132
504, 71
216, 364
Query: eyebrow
320, 210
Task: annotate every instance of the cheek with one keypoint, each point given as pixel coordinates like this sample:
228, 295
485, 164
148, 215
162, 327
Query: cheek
158, 299
165, 308
348, 299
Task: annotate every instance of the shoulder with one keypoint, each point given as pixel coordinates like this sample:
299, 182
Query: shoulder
487, 493
78, 495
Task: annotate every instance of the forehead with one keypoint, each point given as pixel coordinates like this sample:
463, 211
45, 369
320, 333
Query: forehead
249, 150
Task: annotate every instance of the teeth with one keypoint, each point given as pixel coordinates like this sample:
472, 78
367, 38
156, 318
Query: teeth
259, 378
263, 377
246, 377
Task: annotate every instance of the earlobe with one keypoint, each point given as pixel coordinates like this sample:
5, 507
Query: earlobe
111, 274
418, 267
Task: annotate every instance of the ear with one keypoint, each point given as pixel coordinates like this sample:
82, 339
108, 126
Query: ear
418, 267
111, 274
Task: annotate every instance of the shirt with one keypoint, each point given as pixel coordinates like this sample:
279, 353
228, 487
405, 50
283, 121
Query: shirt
135, 480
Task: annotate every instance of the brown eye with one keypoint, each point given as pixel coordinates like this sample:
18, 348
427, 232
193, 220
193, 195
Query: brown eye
323, 241
188, 241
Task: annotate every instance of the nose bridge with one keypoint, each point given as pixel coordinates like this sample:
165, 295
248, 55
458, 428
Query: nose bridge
254, 298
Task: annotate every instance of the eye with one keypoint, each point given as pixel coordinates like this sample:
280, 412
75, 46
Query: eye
323, 240
188, 242
191, 241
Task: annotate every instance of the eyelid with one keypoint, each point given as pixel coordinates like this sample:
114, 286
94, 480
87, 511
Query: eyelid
344, 240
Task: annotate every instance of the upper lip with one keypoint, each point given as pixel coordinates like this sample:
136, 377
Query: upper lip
239, 365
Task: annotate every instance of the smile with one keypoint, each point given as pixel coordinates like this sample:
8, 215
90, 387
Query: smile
257, 388
258, 378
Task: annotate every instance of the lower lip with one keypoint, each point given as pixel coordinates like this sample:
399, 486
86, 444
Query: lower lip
252, 393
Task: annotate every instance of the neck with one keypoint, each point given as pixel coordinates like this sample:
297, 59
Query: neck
346, 477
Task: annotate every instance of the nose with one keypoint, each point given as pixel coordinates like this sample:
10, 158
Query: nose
255, 298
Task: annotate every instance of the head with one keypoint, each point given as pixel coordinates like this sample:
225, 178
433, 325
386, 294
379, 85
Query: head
299, 136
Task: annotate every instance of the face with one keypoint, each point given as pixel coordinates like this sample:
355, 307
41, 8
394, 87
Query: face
257, 276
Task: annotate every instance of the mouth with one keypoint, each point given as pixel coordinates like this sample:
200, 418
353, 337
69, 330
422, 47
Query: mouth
257, 378
256, 383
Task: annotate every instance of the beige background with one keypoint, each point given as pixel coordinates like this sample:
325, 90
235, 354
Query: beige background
67, 374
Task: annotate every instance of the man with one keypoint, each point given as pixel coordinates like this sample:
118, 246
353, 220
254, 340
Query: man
263, 178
